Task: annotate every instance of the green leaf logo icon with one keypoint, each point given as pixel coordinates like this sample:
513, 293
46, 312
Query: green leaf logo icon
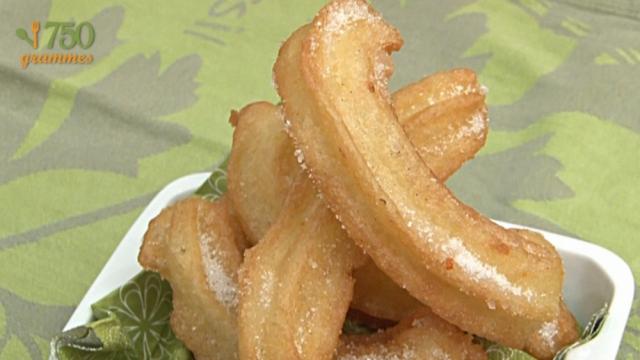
22, 34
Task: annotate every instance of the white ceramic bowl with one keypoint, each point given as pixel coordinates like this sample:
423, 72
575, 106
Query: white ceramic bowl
593, 275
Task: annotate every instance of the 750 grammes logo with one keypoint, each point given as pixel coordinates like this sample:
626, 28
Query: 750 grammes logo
63, 35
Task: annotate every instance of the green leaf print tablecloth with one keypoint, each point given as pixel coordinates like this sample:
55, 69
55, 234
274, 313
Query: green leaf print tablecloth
84, 147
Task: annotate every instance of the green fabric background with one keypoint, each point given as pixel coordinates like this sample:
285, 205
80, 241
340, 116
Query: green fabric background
83, 148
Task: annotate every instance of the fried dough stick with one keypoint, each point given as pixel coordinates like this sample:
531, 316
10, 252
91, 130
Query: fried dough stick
431, 90
192, 244
261, 168
375, 294
422, 335
444, 115
297, 281
447, 124
468, 269
446, 135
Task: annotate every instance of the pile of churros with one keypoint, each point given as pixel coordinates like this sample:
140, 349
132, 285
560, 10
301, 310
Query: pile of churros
337, 205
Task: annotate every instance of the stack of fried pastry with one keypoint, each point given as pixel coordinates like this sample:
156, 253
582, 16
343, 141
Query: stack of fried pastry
337, 200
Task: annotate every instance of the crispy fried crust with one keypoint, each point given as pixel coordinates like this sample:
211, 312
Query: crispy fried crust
377, 295
422, 335
448, 133
434, 89
253, 160
450, 128
554, 335
192, 244
551, 336
296, 283
261, 167
447, 126
469, 270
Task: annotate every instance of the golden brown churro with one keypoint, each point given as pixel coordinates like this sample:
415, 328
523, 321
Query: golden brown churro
343, 184
192, 244
468, 269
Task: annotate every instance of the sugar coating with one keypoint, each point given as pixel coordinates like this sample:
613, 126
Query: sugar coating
491, 304
474, 128
380, 71
479, 271
453, 91
219, 281
477, 123
475, 269
268, 281
287, 125
380, 352
395, 351
304, 329
548, 332
299, 156
341, 14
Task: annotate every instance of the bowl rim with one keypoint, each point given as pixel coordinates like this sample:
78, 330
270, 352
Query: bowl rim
607, 343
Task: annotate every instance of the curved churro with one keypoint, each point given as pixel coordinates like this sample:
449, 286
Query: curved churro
422, 335
296, 283
375, 294
449, 129
447, 126
469, 270
434, 89
261, 167
289, 247
192, 244
379, 162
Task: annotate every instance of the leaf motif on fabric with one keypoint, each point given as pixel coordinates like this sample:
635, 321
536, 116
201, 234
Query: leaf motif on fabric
427, 30
15, 349
3, 327
24, 321
598, 77
631, 341
24, 93
491, 183
521, 50
116, 122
